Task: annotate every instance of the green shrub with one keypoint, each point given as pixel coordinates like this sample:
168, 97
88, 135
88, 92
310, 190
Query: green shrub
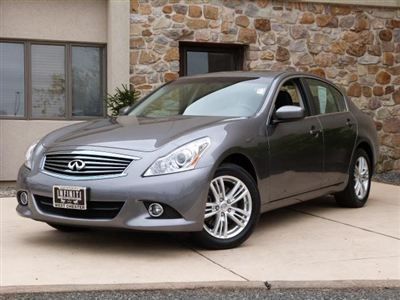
121, 98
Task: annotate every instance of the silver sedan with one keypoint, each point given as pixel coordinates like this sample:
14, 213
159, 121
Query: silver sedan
204, 154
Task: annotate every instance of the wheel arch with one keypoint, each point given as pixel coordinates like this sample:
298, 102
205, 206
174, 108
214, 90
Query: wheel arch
242, 161
369, 150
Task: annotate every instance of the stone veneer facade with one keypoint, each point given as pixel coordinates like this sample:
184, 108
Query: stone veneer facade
357, 47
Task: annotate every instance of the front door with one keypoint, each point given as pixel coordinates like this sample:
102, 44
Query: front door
295, 148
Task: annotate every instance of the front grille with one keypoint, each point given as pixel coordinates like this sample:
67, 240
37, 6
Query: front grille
95, 209
85, 164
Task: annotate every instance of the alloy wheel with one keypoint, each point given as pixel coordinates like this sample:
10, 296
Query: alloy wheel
228, 208
361, 177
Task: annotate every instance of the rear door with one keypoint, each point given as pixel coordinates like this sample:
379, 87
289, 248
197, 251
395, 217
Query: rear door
339, 128
295, 147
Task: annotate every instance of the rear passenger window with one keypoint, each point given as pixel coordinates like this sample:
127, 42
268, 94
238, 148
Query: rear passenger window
326, 98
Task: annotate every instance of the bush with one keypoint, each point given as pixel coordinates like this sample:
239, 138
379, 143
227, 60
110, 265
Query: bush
121, 98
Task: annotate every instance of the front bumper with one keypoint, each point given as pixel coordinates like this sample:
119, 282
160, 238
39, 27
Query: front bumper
185, 192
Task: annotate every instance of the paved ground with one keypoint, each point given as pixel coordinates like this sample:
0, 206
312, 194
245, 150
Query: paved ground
311, 241
231, 294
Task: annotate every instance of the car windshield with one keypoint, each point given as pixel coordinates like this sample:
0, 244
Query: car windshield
207, 96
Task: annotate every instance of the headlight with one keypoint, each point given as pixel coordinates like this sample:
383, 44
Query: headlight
184, 158
28, 155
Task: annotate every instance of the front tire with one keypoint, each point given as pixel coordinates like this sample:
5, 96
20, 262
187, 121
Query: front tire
232, 209
356, 193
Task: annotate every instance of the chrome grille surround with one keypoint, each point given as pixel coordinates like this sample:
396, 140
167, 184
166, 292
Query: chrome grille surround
96, 164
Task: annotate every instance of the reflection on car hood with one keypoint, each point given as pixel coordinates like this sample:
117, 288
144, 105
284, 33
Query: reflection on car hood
127, 132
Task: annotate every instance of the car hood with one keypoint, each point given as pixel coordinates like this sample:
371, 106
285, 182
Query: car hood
127, 132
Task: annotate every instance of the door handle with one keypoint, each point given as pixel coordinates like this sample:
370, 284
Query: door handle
349, 123
315, 131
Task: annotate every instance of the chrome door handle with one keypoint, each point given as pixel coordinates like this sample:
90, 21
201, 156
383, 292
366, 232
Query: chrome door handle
349, 123
314, 131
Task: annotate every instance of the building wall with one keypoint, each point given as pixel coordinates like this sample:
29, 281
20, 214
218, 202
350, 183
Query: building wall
54, 20
61, 20
357, 47
15, 137
376, 3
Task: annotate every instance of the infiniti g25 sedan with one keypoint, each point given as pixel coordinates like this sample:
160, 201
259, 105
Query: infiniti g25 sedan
205, 154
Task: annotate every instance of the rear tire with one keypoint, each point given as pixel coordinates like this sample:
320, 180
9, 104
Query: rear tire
356, 193
66, 228
232, 209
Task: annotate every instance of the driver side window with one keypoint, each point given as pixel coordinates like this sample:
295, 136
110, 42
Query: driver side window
289, 94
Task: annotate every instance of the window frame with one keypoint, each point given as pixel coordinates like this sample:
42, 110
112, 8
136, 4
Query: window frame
303, 90
27, 44
300, 93
237, 50
314, 110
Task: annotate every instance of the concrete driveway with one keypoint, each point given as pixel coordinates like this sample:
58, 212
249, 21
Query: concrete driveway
307, 242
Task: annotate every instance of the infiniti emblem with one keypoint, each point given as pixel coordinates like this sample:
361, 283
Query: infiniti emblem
76, 165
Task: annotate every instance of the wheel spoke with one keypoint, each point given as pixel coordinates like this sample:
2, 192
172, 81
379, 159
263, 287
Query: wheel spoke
362, 189
221, 227
364, 170
214, 191
210, 207
357, 187
357, 169
234, 189
217, 224
210, 214
240, 211
225, 226
218, 188
236, 220
240, 197
222, 187
363, 165
241, 217
239, 191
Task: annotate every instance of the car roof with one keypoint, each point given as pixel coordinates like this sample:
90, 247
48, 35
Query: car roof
271, 75
267, 75
264, 74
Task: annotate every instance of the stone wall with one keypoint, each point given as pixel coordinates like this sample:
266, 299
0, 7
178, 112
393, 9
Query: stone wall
357, 47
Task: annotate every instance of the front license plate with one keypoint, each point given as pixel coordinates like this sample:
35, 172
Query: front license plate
70, 197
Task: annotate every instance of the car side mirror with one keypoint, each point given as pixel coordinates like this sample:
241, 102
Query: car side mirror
124, 110
289, 113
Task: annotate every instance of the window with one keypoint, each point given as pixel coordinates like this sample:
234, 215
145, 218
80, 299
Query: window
326, 99
86, 81
289, 94
51, 80
202, 58
211, 96
12, 84
48, 81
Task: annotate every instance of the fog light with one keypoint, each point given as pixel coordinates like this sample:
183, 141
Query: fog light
23, 198
155, 210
